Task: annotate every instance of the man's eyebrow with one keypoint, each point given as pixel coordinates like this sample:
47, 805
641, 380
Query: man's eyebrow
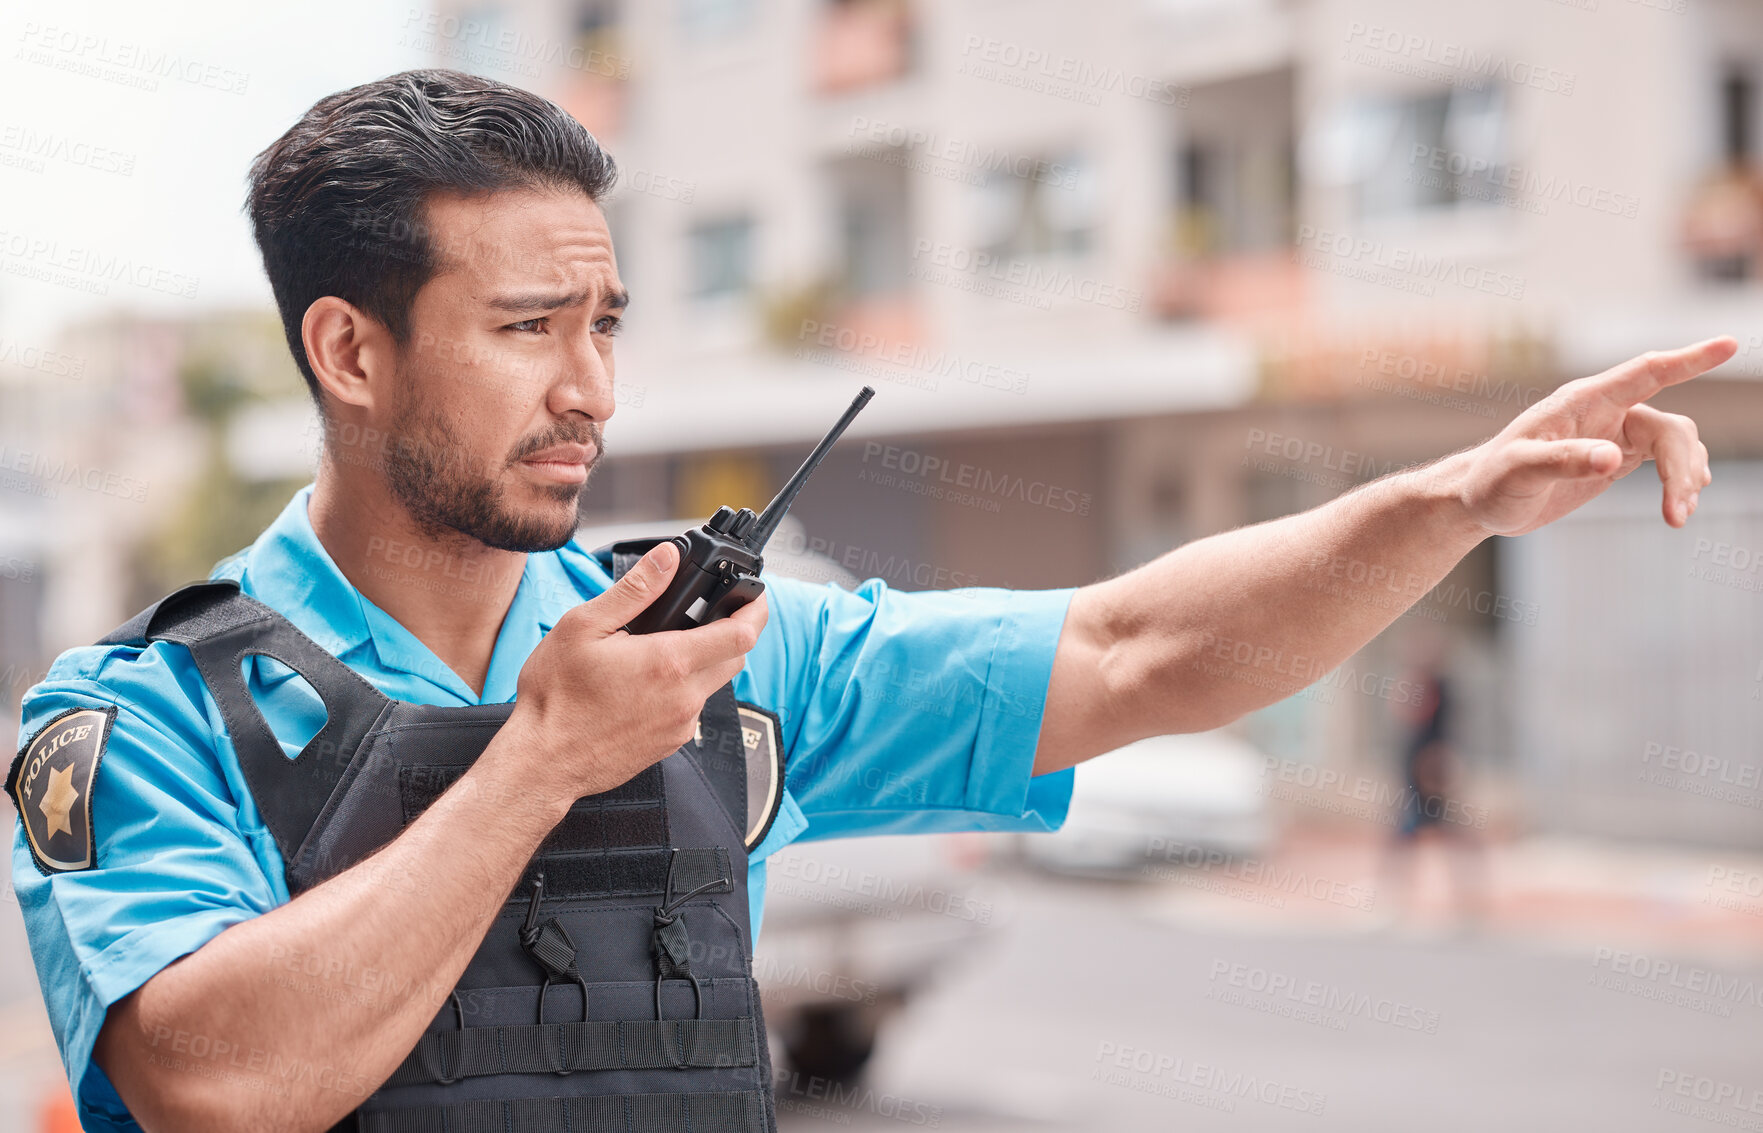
551, 300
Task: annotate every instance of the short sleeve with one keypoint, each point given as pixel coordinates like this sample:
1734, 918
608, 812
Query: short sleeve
911, 711
170, 867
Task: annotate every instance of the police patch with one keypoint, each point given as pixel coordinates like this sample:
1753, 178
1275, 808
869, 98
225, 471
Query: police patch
51, 784
762, 738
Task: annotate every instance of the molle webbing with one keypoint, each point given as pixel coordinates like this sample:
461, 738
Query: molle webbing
740, 1112
559, 1048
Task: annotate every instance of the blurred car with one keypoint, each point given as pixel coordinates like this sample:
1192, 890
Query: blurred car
857, 927
1201, 790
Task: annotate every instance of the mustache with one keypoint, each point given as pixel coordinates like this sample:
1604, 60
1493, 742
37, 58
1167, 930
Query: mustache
588, 434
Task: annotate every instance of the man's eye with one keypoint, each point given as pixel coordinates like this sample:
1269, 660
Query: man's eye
608, 325
528, 326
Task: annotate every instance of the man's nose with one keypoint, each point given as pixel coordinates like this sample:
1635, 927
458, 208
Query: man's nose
585, 383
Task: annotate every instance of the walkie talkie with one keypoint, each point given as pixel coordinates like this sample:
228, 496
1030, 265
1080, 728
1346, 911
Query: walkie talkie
719, 563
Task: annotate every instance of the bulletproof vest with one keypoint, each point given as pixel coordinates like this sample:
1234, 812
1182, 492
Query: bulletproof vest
615, 991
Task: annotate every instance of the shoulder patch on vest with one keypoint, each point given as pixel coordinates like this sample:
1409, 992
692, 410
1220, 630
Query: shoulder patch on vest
51, 785
762, 738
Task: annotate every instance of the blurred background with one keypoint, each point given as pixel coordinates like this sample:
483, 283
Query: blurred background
1123, 275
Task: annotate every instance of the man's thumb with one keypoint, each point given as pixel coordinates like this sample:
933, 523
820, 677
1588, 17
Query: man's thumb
635, 589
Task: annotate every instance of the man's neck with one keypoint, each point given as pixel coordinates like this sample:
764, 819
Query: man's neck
450, 591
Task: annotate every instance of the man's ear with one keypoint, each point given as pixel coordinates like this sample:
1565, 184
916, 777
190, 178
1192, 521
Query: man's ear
350, 351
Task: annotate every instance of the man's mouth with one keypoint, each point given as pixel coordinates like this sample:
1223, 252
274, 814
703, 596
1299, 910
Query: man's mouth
564, 464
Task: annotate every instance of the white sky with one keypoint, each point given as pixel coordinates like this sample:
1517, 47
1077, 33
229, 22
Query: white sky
179, 210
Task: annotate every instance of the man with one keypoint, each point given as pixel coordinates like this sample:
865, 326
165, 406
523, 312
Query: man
447, 282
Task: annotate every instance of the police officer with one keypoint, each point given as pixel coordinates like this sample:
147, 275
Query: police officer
391, 826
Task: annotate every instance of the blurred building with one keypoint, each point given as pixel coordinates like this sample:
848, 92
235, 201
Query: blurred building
1129, 278
1122, 279
115, 481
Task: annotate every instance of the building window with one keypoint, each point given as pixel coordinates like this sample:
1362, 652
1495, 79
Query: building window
709, 19
722, 257
1436, 151
1042, 208
1723, 223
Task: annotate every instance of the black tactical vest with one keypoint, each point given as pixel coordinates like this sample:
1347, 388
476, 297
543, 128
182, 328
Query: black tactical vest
615, 990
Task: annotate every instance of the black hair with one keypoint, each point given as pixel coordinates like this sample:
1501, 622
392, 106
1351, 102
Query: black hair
337, 202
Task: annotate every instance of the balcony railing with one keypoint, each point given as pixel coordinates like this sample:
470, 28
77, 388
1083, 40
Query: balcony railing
861, 43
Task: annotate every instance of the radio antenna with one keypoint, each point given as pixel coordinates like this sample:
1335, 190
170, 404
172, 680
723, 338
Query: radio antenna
757, 535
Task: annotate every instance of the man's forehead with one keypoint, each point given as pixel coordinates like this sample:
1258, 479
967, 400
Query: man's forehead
520, 236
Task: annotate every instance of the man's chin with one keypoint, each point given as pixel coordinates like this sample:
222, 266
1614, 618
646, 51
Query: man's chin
549, 522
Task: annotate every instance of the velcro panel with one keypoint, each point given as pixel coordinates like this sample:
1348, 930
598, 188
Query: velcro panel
624, 873
628, 826
420, 784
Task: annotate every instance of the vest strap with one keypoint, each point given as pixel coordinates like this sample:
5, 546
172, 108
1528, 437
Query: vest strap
221, 626
562, 1048
742, 1112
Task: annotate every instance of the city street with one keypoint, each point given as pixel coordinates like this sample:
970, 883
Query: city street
1110, 1007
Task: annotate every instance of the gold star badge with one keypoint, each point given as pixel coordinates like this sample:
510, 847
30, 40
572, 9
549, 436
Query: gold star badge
58, 801
51, 785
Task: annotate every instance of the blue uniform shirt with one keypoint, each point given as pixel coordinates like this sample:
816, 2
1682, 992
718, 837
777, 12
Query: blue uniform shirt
901, 713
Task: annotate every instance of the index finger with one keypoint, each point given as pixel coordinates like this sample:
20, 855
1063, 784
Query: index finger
1637, 379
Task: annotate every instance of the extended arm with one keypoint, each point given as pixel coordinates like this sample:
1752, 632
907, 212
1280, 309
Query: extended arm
1212, 630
